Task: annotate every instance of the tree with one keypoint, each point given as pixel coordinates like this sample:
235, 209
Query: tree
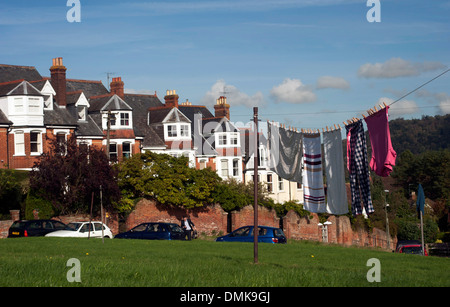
10, 192
167, 179
67, 176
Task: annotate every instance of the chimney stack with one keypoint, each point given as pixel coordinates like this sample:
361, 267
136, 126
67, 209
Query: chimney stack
58, 81
117, 87
171, 99
222, 108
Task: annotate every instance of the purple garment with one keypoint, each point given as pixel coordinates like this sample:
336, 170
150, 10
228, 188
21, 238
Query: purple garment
383, 155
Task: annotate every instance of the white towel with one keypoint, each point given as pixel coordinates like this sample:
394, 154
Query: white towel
285, 152
335, 174
313, 192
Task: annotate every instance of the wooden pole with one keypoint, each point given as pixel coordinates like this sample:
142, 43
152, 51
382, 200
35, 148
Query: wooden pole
421, 230
101, 213
255, 187
90, 217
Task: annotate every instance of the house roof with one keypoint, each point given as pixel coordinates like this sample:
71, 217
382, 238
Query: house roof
18, 87
140, 105
89, 87
15, 72
4, 120
59, 117
110, 102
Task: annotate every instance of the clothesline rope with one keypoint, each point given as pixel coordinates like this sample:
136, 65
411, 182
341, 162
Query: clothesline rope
357, 111
369, 111
417, 88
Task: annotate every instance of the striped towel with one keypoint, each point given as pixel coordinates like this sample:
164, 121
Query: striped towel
313, 192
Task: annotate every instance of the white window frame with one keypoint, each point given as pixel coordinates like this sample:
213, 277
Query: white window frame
34, 106
126, 154
19, 143
82, 113
116, 153
124, 119
19, 105
270, 183
223, 139
224, 170
280, 184
227, 139
184, 130
235, 164
38, 142
172, 131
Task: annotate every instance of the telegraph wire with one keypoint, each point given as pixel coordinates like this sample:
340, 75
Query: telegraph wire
417, 88
359, 111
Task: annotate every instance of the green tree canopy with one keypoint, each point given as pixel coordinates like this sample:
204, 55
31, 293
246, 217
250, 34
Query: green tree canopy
167, 179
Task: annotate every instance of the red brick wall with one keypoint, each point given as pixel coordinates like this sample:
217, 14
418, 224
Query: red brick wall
4, 227
210, 220
245, 217
111, 220
3, 146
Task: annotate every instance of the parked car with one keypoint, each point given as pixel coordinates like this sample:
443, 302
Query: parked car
266, 234
410, 247
154, 231
34, 228
81, 230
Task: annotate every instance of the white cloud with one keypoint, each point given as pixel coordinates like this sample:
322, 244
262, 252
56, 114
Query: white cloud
234, 96
400, 108
293, 91
397, 67
444, 102
332, 82
442, 98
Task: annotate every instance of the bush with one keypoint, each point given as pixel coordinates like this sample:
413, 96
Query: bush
10, 192
44, 207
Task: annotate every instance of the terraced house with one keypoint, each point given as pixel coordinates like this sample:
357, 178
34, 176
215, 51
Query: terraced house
34, 110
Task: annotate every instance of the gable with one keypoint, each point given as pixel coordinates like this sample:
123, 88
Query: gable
175, 116
47, 89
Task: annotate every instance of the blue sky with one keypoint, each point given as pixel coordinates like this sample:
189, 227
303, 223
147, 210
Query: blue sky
304, 63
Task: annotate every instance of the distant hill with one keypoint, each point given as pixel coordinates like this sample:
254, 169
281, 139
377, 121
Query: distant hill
420, 135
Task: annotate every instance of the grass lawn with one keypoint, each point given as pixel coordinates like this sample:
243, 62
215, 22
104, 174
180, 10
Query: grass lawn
202, 263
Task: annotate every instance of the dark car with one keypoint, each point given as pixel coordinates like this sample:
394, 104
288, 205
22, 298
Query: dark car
154, 231
34, 228
266, 234
410, 247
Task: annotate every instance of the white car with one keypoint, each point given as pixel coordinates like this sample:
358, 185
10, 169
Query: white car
81, 230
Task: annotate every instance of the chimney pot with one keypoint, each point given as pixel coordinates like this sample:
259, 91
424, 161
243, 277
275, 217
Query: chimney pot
171, 99
222, 109
117, 87
58, 81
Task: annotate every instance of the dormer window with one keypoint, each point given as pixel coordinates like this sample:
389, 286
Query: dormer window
118, 120
18, 105
81, 110
180, 131
33, 105
184, 130
124, 119
172, 131
48, 101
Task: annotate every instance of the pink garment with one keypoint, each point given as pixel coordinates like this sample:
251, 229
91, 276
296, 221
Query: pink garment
383, 155
349, 149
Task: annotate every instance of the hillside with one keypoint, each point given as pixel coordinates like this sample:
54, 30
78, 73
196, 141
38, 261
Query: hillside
420, 135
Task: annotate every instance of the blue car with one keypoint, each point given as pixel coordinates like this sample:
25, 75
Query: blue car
154, 231
266, 234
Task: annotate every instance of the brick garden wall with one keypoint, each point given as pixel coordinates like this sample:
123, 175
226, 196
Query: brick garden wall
213, 220
210, 220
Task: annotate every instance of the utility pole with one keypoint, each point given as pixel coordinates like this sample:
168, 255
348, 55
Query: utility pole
388, 236
108, 128
255, 187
